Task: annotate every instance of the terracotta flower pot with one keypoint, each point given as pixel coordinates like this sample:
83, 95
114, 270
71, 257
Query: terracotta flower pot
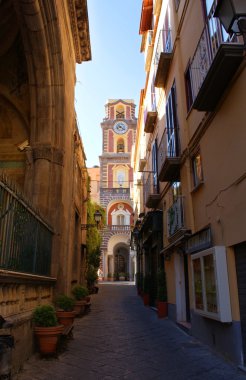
65, 318
47, 338
146, 299
79, 307
162, 309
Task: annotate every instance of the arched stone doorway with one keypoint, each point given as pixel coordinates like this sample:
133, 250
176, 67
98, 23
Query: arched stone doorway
121, 262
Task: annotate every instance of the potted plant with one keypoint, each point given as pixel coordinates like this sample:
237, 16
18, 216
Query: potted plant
80, 294
122, 276
46, 328
139, 283
162, 305
146, 289
65, 312
110, 276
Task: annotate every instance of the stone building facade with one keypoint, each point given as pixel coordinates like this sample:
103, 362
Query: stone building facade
118, 129
42, 160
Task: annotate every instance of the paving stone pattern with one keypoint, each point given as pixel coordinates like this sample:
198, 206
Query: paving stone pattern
122, 339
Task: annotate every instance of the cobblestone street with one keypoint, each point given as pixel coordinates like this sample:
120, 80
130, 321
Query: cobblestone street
122, 339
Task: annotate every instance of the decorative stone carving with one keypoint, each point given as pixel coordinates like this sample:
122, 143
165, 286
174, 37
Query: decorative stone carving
80, 29
46, 152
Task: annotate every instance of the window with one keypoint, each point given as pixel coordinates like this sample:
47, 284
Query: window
172, 124
176, 190
197, 169
120, 112
210, 284
120, 220
154, 168
120, 146
177, 4
188, 88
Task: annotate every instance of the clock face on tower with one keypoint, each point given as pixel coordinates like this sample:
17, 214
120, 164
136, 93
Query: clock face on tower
120, 127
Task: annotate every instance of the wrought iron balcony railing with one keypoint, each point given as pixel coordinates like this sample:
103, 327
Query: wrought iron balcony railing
150, 114
214, 63
151, 191
25, 239
163, 57
169, 156
115, 191
148, 49
118, 228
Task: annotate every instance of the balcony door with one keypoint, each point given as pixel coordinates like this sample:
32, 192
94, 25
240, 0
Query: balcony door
172, 124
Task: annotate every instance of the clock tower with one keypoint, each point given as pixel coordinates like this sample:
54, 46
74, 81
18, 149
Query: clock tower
118, 131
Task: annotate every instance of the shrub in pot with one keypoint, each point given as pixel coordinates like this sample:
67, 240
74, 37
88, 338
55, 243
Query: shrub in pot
65, 312
162, 305
46, 328
146, 289
81, 295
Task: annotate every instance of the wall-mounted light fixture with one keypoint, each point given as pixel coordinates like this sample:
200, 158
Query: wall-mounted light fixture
97, 218
232, 15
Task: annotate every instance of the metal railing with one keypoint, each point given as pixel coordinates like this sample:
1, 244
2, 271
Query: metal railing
114, 191
169, 146
150, 186
213, 35
164, 44
151, 105
175, 216
118, 228
25, 239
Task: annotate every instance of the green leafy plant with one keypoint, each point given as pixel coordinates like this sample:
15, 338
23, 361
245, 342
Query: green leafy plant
139, 280
65, 303
146, 283
45, 316
161, 286
79, 292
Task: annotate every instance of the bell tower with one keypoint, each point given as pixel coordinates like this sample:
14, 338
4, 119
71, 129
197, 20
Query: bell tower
118, 130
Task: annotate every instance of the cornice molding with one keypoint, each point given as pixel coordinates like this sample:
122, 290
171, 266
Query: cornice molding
80, 29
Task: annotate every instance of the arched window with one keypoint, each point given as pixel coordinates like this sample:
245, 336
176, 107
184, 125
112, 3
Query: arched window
120, 112
120, 146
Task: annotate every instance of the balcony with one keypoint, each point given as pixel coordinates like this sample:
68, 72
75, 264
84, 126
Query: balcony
169, 157
216, 60
175, 220
149, 45
118, 228
150, 115
141, 165
151, 191
163, 57
157, 7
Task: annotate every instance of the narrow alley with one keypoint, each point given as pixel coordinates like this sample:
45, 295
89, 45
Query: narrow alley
122, 339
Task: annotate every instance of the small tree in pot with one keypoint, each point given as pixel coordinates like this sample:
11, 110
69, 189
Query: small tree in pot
162, 305
65, 312
146, 289
46, 328
81, 295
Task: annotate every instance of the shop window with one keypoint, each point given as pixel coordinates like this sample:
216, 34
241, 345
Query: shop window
197, 169
210, 284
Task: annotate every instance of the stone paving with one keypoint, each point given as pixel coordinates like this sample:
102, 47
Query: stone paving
122, 339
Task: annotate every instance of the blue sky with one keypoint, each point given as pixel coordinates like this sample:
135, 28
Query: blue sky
115, 71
